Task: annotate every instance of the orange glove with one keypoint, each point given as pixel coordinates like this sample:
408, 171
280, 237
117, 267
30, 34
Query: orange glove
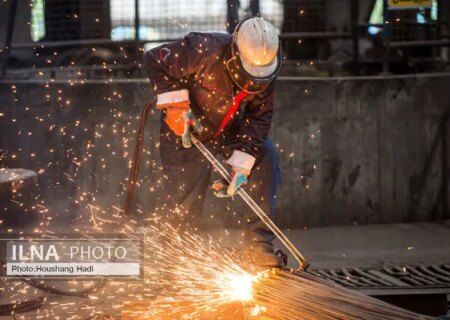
180, 118
175, 116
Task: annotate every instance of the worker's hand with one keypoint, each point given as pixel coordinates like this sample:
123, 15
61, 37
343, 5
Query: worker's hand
179, 116
180, 121
239, 179
241, 164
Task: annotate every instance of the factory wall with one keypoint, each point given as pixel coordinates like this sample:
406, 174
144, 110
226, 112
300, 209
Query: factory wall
364, 151
353, 151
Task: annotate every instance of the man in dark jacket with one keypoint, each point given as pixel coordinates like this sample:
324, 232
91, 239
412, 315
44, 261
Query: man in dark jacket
222, 87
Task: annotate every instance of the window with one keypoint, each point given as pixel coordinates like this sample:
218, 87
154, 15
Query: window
37, 20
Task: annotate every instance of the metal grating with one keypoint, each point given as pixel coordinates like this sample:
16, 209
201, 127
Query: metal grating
433, 276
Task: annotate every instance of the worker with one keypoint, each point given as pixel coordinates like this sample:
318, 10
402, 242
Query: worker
220, 87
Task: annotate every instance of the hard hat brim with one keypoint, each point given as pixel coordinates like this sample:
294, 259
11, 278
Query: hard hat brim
247, 82
260, 71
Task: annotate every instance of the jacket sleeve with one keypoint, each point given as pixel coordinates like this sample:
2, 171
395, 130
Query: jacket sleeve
169, 65
257, 122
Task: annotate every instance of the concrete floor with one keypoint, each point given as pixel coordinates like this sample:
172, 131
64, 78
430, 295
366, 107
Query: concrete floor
373, 245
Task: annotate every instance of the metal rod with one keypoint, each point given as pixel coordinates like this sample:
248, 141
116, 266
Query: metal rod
86, 42
386, 37
303, 263
134, 171
232, 14
355, 32
315, 34
419, 43
444, 166
137, 21
254, 8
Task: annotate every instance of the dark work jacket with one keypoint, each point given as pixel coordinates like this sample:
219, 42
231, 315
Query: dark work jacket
198, 63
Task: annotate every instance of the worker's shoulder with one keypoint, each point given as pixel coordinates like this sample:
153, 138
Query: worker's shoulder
208, 39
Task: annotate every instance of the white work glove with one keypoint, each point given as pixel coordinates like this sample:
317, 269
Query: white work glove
241, 165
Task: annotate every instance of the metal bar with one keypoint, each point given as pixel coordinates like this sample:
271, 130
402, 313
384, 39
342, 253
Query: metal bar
407, 24
440, 27
254, 7
70, 68
232, 14
318, 34
386, 37
9, 34
420, 43
134, 171
378, 280
439, 18
137, 22
86, 42
303, 263
355, 31
444, 164
406, 291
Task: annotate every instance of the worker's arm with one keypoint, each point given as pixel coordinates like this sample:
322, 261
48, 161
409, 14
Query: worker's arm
172, 63
256, 124
169, 66
252, 137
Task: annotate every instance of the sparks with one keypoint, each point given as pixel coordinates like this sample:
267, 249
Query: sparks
238, 287
199, 276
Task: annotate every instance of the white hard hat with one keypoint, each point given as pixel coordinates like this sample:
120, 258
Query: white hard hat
258, 45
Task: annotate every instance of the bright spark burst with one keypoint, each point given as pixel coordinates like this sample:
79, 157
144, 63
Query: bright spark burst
237, 287
196, 276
